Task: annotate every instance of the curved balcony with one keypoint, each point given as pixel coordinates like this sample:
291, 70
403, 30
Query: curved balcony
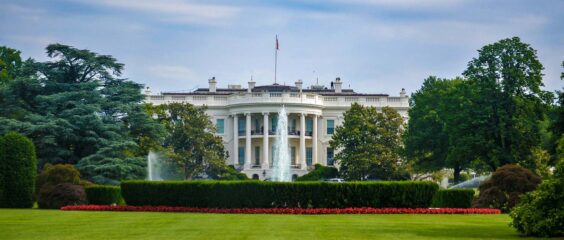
276, 98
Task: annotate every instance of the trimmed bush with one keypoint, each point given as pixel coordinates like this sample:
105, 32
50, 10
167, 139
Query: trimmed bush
505, 187
103, 194
60, 195
255, 194
319, 173
453, 198
541, 212
52, 176
18, 170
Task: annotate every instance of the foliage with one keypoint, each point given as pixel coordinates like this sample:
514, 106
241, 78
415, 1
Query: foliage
319, 173
256, 194
231, 174
10, 63
440, 131
541, 212
369, 142
103, 195
63, 194
190, 142
507, 80
76, 106
17, 171
505, 187
117, 161
56, 174
453, 198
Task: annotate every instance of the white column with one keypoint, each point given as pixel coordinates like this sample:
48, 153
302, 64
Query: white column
265, 147
314, 141
302, 142
235, 140
248, 142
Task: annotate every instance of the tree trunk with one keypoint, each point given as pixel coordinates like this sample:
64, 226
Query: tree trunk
457, 171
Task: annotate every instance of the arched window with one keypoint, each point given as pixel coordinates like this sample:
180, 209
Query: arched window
294, 177
256, 176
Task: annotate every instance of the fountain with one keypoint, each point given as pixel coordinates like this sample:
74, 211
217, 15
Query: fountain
152, 166
281, 162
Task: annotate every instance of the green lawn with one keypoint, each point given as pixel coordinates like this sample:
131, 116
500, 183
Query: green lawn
55, 224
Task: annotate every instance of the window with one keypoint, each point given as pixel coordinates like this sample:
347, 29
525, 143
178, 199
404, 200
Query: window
293, 155
242, 123
257, 126
273, 123
241, 155
293, 125
309, 156
330, 160
257, 156
330, 126
220, 126
309, 125
272, 154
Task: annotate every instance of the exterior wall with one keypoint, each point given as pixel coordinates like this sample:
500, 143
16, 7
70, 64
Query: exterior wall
311, 104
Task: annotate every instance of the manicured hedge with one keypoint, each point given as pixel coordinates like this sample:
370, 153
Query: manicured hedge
103, 194
255, 194
453, 198
17, 171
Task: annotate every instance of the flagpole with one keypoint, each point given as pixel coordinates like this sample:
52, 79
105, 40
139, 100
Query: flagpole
275, 58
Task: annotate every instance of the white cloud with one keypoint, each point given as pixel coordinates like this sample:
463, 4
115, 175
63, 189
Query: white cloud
171, 72
174, 10
405, 3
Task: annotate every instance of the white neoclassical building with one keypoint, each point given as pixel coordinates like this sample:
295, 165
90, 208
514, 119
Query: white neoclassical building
246, 119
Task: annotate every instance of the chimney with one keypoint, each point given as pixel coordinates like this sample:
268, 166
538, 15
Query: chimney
299, 85
403, 93
213, 84
338, 85
251, 85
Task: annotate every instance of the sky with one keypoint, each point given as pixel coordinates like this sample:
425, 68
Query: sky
374, 46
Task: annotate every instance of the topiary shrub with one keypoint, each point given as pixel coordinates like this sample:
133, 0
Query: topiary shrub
319, 173
257, 194
541, 212
505, 187
60, 195
18, 170
231, 174
51, 176
103, 195
453, 198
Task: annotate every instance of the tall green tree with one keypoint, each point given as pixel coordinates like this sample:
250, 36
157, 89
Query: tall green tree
17, 171
10, 64
76, 106
190, 142
369, 143
507, 78
440, 126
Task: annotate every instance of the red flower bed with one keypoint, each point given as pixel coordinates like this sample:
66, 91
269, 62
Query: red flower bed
284, 210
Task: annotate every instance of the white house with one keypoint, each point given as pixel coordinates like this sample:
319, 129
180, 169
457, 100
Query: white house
246, 119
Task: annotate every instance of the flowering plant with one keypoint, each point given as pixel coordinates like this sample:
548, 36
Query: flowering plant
284, 210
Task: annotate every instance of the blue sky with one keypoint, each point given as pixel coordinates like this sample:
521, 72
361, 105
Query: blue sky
375, 46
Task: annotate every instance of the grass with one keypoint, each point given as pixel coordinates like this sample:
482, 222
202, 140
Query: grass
55, 224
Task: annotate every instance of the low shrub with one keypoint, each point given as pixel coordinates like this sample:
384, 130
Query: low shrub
453, 198
319, 173
255, 194
55, 174
103, 194
63, 194
17, 171
541, 212
505, 187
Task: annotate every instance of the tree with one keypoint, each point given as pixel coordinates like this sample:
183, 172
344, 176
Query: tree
18, 166
369, 143
10, 64
190, 142
440, 127
540, 212
507, 77
77, 106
